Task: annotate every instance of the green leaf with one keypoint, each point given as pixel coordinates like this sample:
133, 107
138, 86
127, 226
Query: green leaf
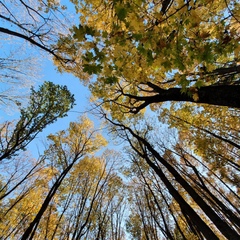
141, 49
79, 33
121, 13
111, 80
137, 36
199, 83
149, 57
90, 31
88, 56
167, 65
92, 68
184, 84
99, 54
104, 34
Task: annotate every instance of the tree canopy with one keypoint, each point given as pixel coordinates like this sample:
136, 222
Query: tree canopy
46, 105
146, 52
164, 79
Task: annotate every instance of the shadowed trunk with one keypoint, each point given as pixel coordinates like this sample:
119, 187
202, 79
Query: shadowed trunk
146, 147
223, 95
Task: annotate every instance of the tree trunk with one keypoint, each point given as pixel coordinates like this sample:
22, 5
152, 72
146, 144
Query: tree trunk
30, 231
222, 226
223, 95
186, 209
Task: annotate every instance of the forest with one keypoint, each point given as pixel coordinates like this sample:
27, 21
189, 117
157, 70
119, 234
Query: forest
156, 154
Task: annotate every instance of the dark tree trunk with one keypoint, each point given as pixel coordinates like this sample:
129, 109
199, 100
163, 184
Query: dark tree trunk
222, 226
186, 209
222, 95
30, 231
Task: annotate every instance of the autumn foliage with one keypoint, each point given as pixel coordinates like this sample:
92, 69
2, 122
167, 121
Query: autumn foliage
164, 80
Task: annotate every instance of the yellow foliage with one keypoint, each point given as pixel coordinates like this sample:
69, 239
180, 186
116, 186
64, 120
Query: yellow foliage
79, 139
195, 97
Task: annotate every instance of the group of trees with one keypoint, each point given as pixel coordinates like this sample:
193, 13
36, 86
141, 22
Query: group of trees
67, 193
164, 77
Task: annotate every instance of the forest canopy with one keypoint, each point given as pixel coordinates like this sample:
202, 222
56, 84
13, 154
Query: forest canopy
164, 81
145, 52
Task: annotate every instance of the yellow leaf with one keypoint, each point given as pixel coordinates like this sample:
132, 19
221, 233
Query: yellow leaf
195, 97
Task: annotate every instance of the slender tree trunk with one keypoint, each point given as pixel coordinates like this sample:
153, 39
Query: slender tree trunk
214, 200
186, 209
222, 226
166, 231
30, 231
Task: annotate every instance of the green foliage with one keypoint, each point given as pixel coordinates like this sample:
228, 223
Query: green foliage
121, 13
92, 68
137, 50
46, 105
111, 80
81, 32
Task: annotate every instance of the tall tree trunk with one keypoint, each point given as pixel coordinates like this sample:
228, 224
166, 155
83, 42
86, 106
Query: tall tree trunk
186, 209
222, 226
30, 231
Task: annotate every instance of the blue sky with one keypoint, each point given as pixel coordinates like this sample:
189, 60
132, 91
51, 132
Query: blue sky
48, 72
45, 71
81, 94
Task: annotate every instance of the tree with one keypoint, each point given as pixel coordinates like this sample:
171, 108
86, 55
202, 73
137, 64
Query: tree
65, 151
139, 143
144, 53
68, 193
25, 25
212, 134
14, 83
150, 203
19, 172
46, 105
39, 22
22, 204
96, 190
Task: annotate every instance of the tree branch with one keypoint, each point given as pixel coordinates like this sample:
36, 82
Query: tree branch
29, 39
224, 95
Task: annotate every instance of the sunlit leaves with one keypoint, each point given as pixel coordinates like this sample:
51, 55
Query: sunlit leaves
77, 141
128, 43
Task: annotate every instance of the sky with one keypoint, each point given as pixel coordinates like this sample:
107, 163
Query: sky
81, 95
46, 71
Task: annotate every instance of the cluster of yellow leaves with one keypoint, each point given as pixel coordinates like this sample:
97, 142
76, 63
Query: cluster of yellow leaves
199, 130
86, 177
21, 209
139, 44
80, 139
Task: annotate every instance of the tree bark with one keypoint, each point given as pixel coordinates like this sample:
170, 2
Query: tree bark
186, 209
30, 231
222, 95
222, 226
